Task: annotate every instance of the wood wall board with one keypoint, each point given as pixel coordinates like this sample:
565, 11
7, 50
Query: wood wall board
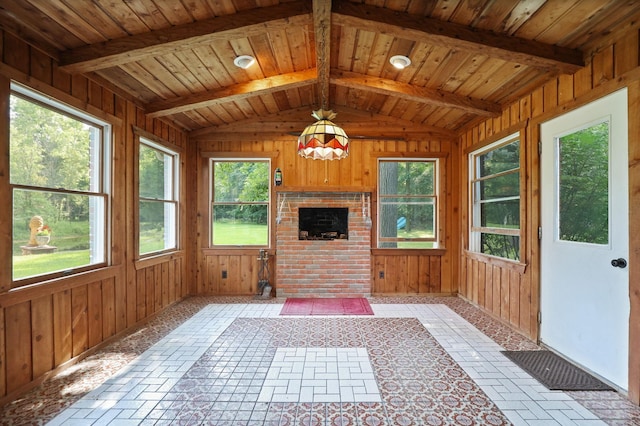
94, 313
149, 290
603, 66
626, 54
108, 288
18, 366
79, 321
42, 335
62, 327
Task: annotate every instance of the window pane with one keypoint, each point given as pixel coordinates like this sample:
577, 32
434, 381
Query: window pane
157, 226
156, 174
240, 225
499, 160
50, 149
507, 185
75, 225
241, 181
407, 178
506, 246
584, 185
408, 217
500, 214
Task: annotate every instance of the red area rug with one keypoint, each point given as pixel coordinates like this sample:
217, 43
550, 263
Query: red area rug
326, 306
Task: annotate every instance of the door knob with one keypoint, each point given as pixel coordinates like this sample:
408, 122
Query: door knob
619, 263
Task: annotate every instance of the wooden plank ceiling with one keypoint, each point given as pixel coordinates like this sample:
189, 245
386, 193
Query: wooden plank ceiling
469, 57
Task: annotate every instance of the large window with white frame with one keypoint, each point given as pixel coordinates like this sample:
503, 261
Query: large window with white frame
158, 203
59, 174
495, 199
408, 203
240, 202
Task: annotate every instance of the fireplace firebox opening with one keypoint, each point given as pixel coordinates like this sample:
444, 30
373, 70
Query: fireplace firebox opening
323, 223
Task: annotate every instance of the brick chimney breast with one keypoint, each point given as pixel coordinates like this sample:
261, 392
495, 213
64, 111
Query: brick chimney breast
339, 267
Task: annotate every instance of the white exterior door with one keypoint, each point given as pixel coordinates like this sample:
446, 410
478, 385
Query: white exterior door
584, 295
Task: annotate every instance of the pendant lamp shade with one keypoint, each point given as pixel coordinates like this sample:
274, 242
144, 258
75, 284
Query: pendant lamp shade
323, 140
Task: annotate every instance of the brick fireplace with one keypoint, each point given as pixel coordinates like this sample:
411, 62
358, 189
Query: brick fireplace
322, 268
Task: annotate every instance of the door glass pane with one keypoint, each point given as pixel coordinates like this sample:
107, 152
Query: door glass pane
584, 185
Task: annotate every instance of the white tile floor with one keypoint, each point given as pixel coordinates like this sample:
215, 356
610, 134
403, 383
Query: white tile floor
136, 393
321, 375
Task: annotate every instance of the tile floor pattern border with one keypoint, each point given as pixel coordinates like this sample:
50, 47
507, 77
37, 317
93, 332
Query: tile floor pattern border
59, 392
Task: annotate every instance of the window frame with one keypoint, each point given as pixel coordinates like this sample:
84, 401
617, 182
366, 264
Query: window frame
103, 183
475, 230
437, 201
221, 158
175, 200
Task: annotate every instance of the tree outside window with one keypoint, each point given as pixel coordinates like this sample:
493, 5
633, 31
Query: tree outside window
495, 191
407, 203
58, 177
158, 191
240, 203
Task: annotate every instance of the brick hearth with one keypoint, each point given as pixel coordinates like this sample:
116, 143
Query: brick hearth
322, 268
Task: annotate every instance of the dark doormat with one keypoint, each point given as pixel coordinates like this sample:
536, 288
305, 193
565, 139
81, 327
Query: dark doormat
555, 372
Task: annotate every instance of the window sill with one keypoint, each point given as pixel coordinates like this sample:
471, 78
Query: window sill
514, 265
405, 252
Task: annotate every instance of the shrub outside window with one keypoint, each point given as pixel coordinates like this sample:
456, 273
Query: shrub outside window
407, 203
495, 192
158, 192
59, 176
240, 202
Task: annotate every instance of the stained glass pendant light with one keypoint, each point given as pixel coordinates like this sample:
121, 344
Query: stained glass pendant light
323, 140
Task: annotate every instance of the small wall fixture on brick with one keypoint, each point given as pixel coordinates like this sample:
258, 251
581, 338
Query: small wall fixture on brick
323, 268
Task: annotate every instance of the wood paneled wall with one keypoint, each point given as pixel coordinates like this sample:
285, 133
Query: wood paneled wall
46, 325
511, 291
358, 172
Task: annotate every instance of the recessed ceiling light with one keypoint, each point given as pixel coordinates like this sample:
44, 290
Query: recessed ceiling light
400, 61
244, 61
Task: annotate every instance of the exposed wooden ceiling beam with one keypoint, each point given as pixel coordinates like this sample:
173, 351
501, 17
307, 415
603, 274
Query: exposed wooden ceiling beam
357, 124
161, 42
322, 31
414, 93
232, 93
554, 59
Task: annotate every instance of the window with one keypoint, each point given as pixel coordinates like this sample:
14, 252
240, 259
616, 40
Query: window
240, 202
583, 185
59, 179
495, 192
158, 191
407, 203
